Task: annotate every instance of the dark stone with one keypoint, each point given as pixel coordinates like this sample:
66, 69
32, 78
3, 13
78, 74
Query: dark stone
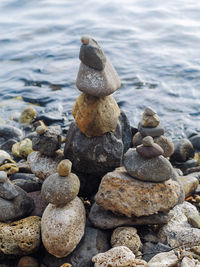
191, 163
27, 181
40, 204
21, 206
101, 154
92, 55
105, 219
48, 142
7, 146
151, 249
183, 150
7, 190
195, 140
153, 132
10, 132
149, 151
93, 242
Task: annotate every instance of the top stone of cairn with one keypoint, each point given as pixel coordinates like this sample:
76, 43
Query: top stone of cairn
96, 76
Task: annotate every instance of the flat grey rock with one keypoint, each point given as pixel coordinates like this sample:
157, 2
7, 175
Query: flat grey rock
153, 132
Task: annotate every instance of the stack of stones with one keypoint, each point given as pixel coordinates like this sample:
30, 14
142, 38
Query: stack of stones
63, 221
148, 185
150, 126
101, 133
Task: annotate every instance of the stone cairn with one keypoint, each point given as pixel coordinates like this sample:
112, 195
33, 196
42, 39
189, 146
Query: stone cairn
97, 140
150, 126
63, 221
147, 185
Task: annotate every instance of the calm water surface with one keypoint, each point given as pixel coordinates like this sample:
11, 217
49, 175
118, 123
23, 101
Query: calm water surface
154, 45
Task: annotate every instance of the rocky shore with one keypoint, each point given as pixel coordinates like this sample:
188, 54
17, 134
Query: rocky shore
99, 192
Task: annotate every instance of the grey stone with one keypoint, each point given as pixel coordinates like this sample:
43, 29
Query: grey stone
47, 143
93, 242
91, 54
195, 140
154, 132
98, 83
7, 190
105, 219
9, 132
150, 250
21, 206
27, 181
59, 190
97, 155
7, 145
183, 150
154, 169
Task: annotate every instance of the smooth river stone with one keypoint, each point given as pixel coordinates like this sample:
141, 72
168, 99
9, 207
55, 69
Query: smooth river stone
154, 169
150, 121
98, 83
154, 132
149, 151
96, 116
183, 150
63, 227
122, 194
166, 144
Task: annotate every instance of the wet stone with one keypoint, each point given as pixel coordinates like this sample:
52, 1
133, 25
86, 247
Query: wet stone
8, 132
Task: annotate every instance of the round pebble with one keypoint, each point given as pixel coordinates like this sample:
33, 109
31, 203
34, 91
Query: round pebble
3, 176
41, 129
64, 167
85, 40
147, 141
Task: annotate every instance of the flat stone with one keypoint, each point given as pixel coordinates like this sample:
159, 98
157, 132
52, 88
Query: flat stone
183, 150
178, 231
149, 151
20, 237
118, 256
164, 259
59, 190
91, 53
189, 184
105, 219
22, 149
21, 206
154, 132
28, 114
126, 236
8, 132
166, 144
150, 120
154, 169
27, 181
48, 142
43, 166
70, 219
122, 194
98, 83
96, 116
7, 190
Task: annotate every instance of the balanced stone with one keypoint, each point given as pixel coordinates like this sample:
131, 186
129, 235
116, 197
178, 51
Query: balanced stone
20, 237
64, 167
150, 120
48, 142
96, 116
136, 196
98, 83
147, 141
148, 169
91, 53
156, 131
59, 190
149, 111
69, 220
148, 149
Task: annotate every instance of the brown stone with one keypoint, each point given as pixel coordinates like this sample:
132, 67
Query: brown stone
189, 184
96, 116
149, 151
125, 195
27, 261
150, 121
166, 144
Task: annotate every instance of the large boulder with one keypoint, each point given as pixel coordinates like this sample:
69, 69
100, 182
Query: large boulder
63, 227
96, 116
101, 154
121, 193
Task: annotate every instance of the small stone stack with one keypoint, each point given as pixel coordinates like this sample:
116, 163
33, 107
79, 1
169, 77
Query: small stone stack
150, 126
147, 185
95, 143
63, 221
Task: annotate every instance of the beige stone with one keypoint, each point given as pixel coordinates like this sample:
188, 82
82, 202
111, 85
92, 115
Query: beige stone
28, 114
150, 121
22, 149
41, 129
123, 194
63, 227
9, 168
64, 167
20, 237
5, 158
137, 139
164, 259
96, 116
166, 144
189, 184
126, 236
117, 257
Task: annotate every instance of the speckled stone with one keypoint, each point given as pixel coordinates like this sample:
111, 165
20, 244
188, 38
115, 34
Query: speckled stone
64, 167
149, 151
166, 144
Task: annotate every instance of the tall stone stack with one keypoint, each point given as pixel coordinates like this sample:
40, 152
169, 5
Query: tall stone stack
101, 133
